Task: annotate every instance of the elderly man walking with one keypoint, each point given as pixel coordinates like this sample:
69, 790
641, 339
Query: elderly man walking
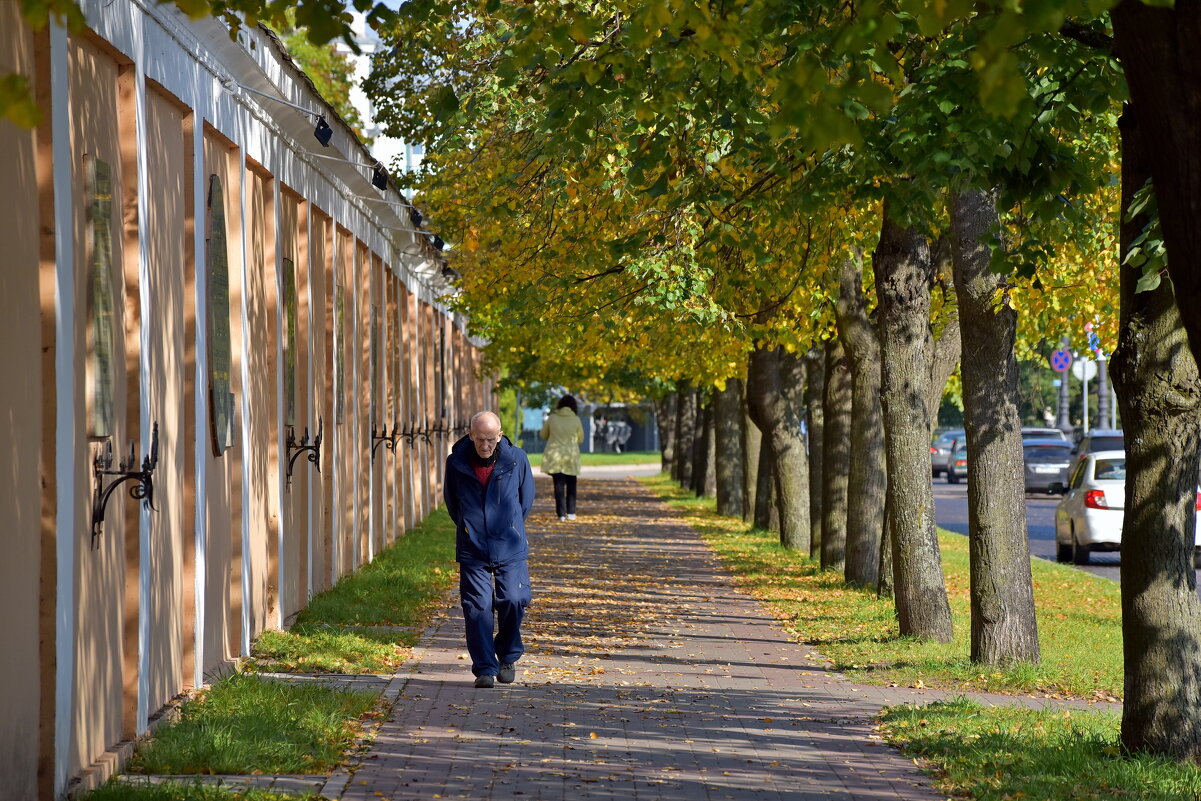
489, 490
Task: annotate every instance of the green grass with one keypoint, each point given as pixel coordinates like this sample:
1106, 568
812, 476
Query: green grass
634, 457
403, 586
181, 791
998, 754
244, 724
1079, 615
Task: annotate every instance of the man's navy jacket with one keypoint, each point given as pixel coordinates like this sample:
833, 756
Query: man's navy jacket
489, 521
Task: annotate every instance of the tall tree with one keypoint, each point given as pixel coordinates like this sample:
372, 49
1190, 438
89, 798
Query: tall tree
836, 455
1159, 390
867, 478
1004, 629
774, 393
815, 390
728, 423
904, 272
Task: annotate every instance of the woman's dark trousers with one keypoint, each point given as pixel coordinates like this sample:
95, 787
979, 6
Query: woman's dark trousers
564, 494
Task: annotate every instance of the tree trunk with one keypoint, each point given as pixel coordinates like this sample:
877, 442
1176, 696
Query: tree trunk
665, 419
708, 487
815, 390
700, 446
836, 456
777, 389
1004, 630
867, 477
884, 588
765, 496
685, 432
1159, 392
750, 461
904, 272
1159, 47
729, 444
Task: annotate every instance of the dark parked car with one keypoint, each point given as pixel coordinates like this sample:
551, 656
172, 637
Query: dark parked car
1047, 462
957, 463
940, 450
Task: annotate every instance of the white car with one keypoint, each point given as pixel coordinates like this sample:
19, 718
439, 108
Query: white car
1089, 518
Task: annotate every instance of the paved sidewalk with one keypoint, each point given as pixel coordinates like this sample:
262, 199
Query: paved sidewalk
648, 676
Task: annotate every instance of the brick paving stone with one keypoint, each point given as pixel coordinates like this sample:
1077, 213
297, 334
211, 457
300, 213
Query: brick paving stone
648, 676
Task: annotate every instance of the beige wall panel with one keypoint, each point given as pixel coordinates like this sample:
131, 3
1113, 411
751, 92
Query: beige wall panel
429, 352
261, 397
360, 454
407, 411
96, 719
321, 265
21, 416
294, 509
345, 398
165, 356
222, 499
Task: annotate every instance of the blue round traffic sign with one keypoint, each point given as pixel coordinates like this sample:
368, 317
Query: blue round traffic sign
1061, 360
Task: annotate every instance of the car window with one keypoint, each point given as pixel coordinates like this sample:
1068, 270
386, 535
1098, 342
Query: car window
1047, 453
1107, 444
1078, 474
1110, 470
1048, 433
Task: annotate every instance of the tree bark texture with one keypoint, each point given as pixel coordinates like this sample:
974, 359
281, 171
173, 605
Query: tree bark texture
765, 494
1159, 392
1004, 630
836, 456
904, 272
1159, 48
729, 446
750, 461
701, 444
777, 402
685, 433
708, 487
815, 389
867, 479
665, 419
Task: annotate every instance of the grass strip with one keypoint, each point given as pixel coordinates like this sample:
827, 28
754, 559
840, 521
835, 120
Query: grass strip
1001, 754
186, 791
245, 724
632, 457
403, 586
1079, 615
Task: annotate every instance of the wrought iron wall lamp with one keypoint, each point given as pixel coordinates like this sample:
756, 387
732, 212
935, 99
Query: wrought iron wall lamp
313, 451
389, 441
143, 490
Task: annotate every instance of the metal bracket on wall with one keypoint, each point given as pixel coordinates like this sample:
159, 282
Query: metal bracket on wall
313, 451
389, 441
143, 490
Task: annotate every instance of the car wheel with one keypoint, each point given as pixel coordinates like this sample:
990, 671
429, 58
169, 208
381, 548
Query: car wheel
1063, 553
1080, 553
1196, 560
952, 477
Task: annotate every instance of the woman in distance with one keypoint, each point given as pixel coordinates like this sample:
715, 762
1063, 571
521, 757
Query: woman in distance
563, 433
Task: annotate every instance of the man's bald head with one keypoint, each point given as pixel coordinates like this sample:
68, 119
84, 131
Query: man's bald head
485, 433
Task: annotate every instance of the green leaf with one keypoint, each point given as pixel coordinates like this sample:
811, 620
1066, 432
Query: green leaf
1148, 282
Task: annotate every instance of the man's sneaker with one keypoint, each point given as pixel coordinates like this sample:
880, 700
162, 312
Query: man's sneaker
486, 681
507, 673
562, 518
571, 517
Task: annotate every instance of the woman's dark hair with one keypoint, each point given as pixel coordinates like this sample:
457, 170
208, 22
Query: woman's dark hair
570, 403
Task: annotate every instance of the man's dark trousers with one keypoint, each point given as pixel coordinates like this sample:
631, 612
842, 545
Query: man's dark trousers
508, 601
